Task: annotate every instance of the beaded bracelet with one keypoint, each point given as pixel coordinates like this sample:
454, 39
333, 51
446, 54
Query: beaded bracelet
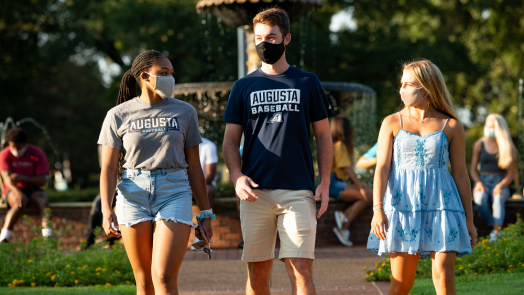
378, 204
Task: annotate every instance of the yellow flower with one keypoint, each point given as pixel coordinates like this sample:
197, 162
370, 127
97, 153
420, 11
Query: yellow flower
371, 273
10, 285
459, 259
489, 248
103, 269
68, 265
379, 269
108, 284
365, 267
33, 278
72, 272
504, 239
33, 285
489, 264
84, 266
475, 273
469, 264
509, 270
383, 264
387, 259
98, 269
461, 267
128, 282
76, 281
48, 274
367, 276
510, 265
119, 272
29, 260
97, 273
53, 277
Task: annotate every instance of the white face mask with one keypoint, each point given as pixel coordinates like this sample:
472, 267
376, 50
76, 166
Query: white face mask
18, 153
489, 132
412, 96
165, 85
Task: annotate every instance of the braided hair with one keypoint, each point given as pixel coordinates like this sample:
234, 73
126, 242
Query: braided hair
142, 63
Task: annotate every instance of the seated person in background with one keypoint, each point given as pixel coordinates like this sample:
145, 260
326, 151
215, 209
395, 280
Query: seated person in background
496, 155
24, 169
369, 159
208, 160
358, 194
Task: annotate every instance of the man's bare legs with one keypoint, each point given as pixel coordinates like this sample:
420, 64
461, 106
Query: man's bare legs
300, 271
258, 274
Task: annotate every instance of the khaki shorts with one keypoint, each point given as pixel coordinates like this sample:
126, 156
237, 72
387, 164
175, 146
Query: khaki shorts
292, 212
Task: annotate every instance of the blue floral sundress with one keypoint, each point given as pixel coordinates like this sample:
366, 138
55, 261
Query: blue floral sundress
422, 203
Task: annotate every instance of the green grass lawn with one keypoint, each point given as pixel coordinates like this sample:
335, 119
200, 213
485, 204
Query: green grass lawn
507, 284
99, 290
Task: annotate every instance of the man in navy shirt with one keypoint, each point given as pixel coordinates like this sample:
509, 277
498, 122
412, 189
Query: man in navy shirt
274, 107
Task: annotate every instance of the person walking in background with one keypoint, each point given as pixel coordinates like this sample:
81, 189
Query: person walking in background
496, 155
24, 170
274, 107
369, 159
420, 209
358, 194
151, 144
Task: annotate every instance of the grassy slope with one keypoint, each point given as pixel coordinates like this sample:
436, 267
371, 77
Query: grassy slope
99, 290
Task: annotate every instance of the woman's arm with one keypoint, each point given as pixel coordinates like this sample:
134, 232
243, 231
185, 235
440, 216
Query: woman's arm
364, 163
506, 181
479, 187
108, 178
459, 172
198, 185
379, 224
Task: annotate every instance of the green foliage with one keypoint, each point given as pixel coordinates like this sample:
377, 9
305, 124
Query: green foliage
41, 263
73, 195
99, 290
505, 255
225, 190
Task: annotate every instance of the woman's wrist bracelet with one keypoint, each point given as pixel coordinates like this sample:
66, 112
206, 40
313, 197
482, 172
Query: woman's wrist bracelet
378, 209
378, 204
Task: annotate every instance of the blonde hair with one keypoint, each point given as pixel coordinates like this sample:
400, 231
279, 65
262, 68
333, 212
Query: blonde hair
503, 138
430, 77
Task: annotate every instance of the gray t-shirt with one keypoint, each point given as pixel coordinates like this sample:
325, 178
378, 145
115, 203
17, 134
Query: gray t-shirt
152, 135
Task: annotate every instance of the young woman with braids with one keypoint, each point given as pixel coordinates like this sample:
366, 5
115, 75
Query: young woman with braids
150, 143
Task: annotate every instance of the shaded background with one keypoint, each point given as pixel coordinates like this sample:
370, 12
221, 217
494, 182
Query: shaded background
61, 61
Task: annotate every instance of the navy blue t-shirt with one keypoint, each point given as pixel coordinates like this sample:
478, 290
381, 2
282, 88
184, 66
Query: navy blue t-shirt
275, 112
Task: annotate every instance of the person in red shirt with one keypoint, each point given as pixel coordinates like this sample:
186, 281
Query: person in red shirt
24, 169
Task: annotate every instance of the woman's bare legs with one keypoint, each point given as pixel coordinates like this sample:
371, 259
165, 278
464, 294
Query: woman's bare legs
138, 241
169, 247
352, 194
443, 272
403, 270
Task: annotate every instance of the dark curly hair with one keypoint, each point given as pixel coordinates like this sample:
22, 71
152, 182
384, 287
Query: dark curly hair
16, 135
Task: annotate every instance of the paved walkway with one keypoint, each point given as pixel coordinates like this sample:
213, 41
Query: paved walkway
337, 270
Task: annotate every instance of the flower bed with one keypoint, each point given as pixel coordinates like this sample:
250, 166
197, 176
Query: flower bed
505, 255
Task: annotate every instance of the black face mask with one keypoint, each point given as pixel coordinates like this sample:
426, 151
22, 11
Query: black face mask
270, 53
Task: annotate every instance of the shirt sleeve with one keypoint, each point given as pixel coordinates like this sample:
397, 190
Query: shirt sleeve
193, 134
319, 106
41, 166
235, 107
4, 162
109, 135
211, 154
340, 156
371, 153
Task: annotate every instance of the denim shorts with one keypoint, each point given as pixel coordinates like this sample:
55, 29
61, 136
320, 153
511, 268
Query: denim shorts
153, 195
336, 186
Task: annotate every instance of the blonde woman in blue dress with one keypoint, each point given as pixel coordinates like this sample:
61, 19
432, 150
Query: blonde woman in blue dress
420, 209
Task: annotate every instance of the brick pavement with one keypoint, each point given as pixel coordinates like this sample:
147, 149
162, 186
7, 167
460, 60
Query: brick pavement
337, 270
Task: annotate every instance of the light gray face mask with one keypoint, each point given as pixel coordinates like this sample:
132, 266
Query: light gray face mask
165, 85
412, 96
18, 153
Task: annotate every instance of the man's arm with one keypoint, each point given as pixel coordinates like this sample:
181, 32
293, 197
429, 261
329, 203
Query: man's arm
17, 193
38, 180
231, 146
325, 160
211, 170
